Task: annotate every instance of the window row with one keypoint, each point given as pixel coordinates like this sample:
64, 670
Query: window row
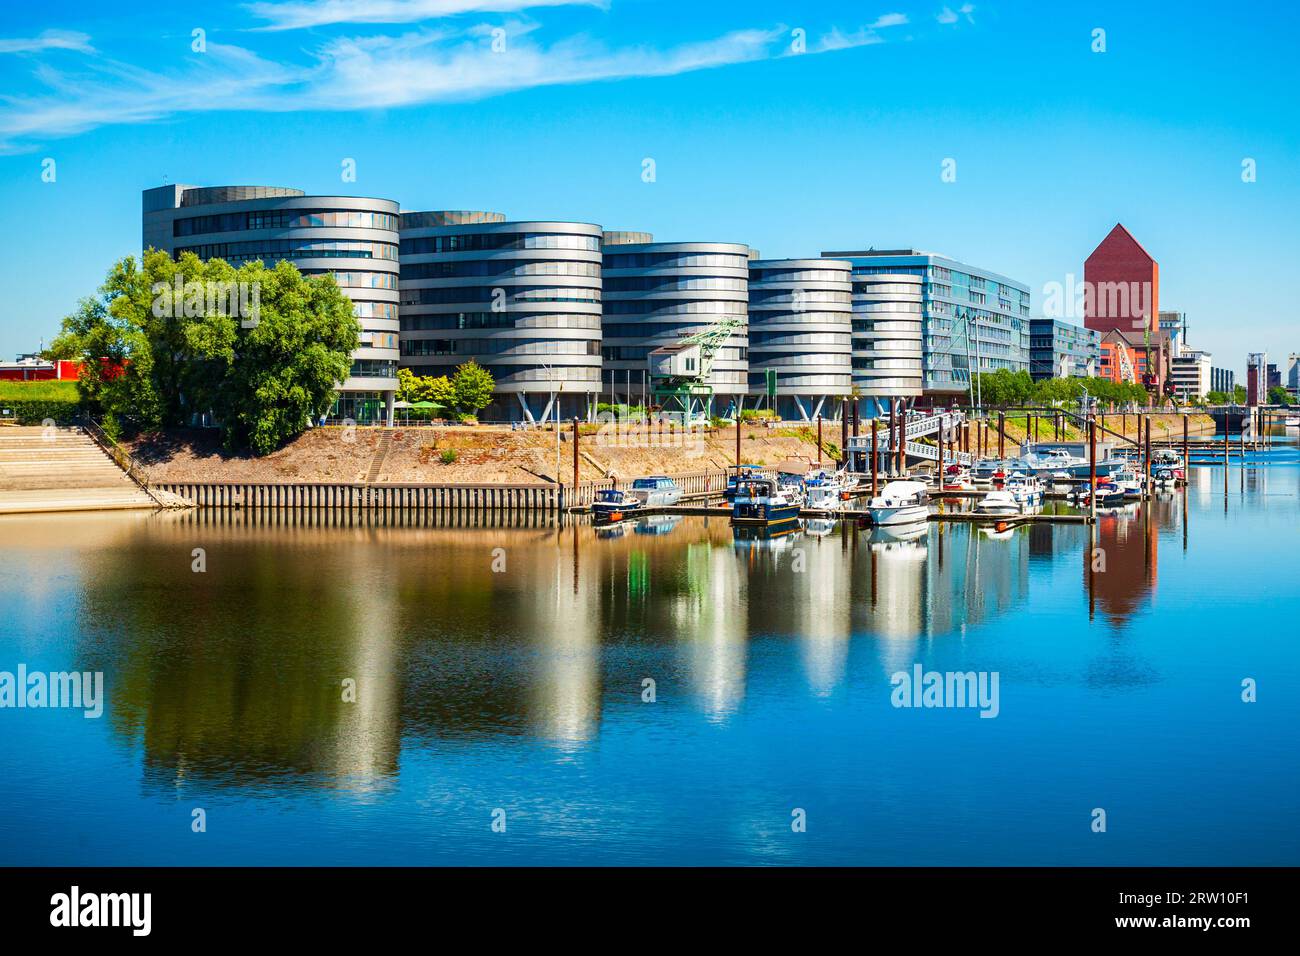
268, 249
501, 347
457, 269
489, 241
284, 219
498, 320
502, 296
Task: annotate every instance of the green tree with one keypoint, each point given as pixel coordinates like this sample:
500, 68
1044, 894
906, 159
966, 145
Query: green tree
1277, 395
1004, 387
1239, 394
472, 387
164, 339
280, 371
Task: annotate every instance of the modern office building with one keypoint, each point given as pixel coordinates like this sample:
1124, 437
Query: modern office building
1222, 380
1293, 374
354, 238
1190, 373
655, 293
1058, 349
522, 299
923, 321
1274, 377
801, 336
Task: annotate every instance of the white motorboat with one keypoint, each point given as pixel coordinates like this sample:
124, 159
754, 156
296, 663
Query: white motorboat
822, 492
657, 491
900, 502
1019, 495
1129, 480
998, 503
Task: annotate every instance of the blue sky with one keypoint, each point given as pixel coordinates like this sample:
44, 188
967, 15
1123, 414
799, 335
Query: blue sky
840, 146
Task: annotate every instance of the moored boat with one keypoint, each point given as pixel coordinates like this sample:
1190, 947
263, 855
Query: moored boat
759, 502
900, 502
615, 504
656, 491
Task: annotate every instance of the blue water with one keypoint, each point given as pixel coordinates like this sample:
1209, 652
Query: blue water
521, 690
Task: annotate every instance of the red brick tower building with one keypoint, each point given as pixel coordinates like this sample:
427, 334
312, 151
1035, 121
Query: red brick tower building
1122, 297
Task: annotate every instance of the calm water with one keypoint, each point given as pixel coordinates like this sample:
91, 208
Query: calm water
522, 690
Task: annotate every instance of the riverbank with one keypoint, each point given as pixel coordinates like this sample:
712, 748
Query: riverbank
486, 454
471, 454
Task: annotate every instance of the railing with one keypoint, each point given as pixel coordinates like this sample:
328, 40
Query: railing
121, 457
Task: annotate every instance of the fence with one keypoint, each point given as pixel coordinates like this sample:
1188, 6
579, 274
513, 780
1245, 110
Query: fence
414, 495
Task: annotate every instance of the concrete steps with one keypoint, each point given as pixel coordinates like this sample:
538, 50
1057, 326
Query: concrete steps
61, 469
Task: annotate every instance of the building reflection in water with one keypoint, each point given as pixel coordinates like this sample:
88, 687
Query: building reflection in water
710, 624
235, 675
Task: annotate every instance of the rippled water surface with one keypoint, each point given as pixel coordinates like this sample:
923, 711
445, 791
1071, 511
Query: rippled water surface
522, 689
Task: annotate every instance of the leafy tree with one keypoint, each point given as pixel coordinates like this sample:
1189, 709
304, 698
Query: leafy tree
1277, 395
281, 371
1216, 398
1239, 394
425, 388
1004, 387
165, 339
472, 387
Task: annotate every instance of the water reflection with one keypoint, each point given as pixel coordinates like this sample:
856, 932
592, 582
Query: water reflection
457, 630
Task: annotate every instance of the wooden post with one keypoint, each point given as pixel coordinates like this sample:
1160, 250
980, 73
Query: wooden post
1002, 434
819, 441
1092, 468
738, 439
1147, 485
939, 472
575, 460
1186, 458
844, 432
875, 460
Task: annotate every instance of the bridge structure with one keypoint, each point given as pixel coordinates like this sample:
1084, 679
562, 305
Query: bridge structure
942, 423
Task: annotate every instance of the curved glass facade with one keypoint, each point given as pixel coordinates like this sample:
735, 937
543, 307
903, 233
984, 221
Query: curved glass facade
801, 329
356, 239
887, 340
658, 292
523, 299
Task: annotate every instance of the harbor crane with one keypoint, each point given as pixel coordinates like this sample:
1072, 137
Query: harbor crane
679, 372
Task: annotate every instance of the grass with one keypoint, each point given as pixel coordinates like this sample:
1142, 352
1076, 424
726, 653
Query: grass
39, 391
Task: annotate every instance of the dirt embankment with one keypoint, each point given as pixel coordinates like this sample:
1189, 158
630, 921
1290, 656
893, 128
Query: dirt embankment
480, 454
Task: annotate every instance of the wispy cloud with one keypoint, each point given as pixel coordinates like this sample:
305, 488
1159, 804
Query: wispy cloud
297, 14
49, 40
948, 15
890, 20
348, 73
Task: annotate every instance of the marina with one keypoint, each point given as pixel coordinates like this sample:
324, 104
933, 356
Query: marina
771, 657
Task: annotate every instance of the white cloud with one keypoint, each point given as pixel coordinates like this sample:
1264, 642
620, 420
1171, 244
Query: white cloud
296, 14
424, 66
890, 20
948, 15
49, 40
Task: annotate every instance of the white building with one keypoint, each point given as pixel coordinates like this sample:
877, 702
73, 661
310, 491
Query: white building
1190, 372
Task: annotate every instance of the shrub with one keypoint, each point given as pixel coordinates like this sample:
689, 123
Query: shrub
448, 456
